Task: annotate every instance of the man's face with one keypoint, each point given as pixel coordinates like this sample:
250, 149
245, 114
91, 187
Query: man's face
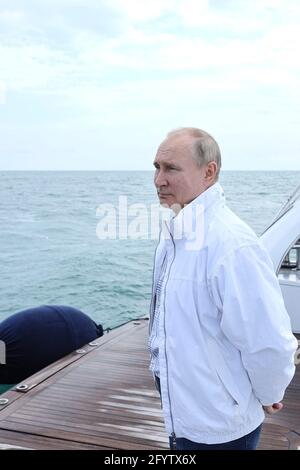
178, 178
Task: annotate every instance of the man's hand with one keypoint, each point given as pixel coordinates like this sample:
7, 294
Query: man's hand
271, 409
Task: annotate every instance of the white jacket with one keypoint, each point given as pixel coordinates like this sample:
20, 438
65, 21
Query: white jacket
225, 341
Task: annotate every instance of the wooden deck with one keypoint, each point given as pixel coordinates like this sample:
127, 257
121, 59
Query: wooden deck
104, 398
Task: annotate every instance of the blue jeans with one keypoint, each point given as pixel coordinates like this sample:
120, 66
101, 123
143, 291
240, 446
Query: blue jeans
248, 442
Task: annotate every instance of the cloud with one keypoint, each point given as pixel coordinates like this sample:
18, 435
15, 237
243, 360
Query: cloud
137, 11
133, 64
49, 18
54, 43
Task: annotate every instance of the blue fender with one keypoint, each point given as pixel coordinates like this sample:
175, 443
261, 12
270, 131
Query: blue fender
36, 337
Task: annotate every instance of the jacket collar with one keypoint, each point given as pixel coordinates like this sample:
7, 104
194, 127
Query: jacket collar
194, 216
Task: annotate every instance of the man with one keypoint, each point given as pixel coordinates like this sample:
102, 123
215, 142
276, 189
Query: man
222, 350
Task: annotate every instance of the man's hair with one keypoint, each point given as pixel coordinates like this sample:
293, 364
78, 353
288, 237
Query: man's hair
205, 148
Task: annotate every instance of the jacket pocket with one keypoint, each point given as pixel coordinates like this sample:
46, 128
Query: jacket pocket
222, 370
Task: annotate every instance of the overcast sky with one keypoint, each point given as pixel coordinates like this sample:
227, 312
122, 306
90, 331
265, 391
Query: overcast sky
96, 84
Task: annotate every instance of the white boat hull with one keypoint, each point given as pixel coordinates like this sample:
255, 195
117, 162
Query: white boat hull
279, 239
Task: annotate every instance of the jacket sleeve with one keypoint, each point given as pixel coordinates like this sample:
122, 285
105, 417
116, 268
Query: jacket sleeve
253, 317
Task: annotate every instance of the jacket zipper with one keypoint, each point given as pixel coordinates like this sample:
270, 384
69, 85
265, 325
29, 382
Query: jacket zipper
173, 441
151, 319
173, 435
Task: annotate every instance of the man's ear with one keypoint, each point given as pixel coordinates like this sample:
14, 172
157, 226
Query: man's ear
211, 171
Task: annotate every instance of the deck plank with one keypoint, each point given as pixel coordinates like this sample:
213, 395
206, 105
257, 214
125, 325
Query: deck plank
105, 399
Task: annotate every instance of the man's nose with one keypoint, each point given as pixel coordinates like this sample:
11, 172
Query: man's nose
160, 179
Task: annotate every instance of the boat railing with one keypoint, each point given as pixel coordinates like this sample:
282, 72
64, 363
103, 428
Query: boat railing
286, 206
292, 258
